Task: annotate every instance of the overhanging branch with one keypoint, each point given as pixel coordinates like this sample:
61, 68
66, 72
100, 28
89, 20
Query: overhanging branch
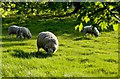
116, 16
99, 10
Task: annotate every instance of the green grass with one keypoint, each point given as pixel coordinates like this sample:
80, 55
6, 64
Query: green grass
77, 56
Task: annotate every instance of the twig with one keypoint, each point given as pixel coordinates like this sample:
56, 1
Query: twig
116, 16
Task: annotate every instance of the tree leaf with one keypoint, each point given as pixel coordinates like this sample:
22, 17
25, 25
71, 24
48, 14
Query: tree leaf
103, 25
76, 27
80, 27
86, 19
115, 27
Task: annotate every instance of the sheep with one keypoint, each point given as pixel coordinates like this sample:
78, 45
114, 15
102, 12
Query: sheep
91, 30
48, 41
24, 32
13, 30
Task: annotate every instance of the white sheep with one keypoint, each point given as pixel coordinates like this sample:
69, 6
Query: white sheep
13, 30
24, 32
91, 30
48, 41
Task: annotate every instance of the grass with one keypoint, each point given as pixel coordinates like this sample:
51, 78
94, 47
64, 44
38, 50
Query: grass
77, 56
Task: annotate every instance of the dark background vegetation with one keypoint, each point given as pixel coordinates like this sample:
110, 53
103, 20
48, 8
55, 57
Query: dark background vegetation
104, 15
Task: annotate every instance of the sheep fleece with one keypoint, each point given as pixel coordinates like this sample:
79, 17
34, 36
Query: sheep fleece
88, 29
47, 39
13, 29
25, 32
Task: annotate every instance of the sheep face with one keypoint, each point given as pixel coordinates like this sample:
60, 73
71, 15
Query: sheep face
24, 32
95, 32
29, 36
50, 47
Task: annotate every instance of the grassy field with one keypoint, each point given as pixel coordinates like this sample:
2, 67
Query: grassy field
77, 56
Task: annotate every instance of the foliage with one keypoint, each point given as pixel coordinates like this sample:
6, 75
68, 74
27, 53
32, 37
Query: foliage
23, 7
104, 15
99, 14
35, 8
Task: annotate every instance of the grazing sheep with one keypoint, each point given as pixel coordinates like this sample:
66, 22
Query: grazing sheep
48, 41
91, 29
13, 30
24, 32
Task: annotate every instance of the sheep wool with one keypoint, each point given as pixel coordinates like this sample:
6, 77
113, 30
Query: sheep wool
13, 30
91, 30
48, 41
24, 32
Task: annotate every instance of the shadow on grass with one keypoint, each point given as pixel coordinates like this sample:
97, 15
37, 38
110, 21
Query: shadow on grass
14, 44
22, 54
11, 39
82, 38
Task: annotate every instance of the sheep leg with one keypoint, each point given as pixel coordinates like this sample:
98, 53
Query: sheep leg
23, 37
17, 36
37, 51
9, 36
38, 46
85, 35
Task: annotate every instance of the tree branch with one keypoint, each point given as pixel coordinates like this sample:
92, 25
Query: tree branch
77, 8
99, 10
116, 16
116, 8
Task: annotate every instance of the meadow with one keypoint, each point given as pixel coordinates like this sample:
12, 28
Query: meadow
77, 56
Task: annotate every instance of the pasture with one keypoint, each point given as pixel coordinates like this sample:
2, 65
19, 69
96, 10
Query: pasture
77, 56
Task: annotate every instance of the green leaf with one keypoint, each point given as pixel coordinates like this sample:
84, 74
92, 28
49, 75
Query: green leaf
86, 19
111, 7
76, 27
13, 5
80, 27
115, 27
34, 13
99, 4
103, 25
8, 9
82, 18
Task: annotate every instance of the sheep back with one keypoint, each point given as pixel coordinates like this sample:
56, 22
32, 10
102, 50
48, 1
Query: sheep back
12, 29
25, 32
